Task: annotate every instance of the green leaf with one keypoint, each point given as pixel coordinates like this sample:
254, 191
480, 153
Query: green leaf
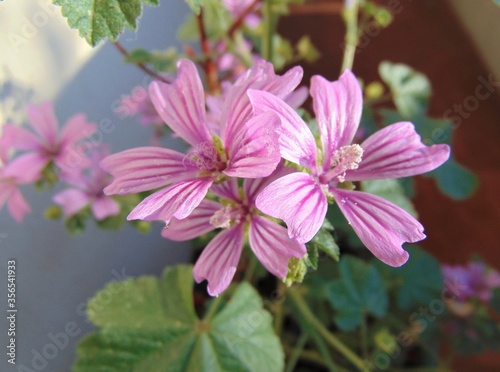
161, 60
324, 241
149, 324
97, 20
418, 282
359, 290
455, 180
410, 89
495, 300
195, 5
216, 19
391, 190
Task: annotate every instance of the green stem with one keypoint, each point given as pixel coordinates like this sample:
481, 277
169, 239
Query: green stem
331, 339
278, 309
325, 353
267, 38
214, 306
364, 337
350, 16
297, 350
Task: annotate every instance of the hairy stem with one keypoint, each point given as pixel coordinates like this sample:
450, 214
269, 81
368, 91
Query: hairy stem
331, 339
208, 65
350, 16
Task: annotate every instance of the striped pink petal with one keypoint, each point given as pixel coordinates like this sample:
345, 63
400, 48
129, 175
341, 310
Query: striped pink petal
299, 201
219, 260
272, 246
382, 226
196, 224
396, 151
296, 141
43, 120
237, 108
338, 106
177, 200
146, 168
228, 190
182, 104
255, 152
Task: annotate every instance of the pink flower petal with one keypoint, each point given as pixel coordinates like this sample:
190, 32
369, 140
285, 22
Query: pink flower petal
272, 246
146, 168
104, 207
297, 97
196, 224
218, 261
296, 141
338, 106
299, 201
228, 190
43, 120
26, 168
237, 108
253, 186
382, 226
255, 152
71, 201
177, 200
14, 137
78, 128
182, 104
17, 205
396, 151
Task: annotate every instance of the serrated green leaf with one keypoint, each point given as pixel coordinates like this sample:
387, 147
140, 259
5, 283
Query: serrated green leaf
410, 89
390, 190
149, 324
359, 290
324, 241
418, 282
97, 19
311, 258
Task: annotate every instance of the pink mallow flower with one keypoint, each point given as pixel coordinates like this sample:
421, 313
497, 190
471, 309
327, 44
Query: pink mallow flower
239, 219
139, 104
301, 198
47, 144
247, 146
14, 173
87, 189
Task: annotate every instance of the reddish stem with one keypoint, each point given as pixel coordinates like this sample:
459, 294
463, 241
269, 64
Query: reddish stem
238, 22
142, 66
209, 65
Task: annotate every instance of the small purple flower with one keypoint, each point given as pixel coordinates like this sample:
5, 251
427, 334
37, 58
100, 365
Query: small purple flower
301, 198
238, 217
475, 280
48, 145
247, 146
87, 185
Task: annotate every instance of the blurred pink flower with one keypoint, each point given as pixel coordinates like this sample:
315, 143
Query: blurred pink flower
14, 173
301, 198
47, 144
88, 184
474, 280
247, 146
238, 217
